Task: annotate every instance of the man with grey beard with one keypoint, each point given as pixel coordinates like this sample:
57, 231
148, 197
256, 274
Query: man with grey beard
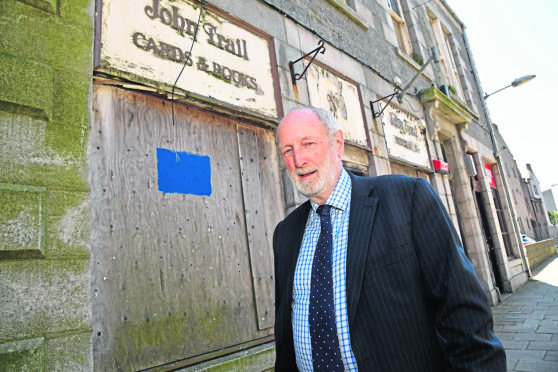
370, 273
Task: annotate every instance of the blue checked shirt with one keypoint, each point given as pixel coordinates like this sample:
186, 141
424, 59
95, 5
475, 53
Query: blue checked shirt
340, 200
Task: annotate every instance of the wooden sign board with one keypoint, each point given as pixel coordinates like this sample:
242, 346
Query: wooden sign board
150, 40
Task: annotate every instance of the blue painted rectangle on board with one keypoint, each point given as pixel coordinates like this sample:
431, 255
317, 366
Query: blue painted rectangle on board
183, 173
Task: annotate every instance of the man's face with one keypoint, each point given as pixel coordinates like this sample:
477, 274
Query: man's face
313, 160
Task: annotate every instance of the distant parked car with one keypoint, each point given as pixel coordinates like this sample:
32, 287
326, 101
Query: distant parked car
527, 240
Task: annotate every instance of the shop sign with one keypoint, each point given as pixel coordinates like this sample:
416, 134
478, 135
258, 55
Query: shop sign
488, 173
440, 166
341, 97
405, 137
151, 40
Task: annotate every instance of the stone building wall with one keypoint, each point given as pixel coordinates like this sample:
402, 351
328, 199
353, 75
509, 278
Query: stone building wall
45, 83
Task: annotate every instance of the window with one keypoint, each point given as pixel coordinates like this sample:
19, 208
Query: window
444, 40
453, 74
349, 3
348, 8
443, 153
401, 32
394, 5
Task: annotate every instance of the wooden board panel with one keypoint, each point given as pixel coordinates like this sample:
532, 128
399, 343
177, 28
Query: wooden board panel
171, 273
255, 161
397, 168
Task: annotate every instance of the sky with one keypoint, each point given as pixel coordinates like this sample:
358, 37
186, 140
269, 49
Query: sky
510, 39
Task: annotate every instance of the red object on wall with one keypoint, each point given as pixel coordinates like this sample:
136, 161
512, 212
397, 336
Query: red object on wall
490, 175
440, 166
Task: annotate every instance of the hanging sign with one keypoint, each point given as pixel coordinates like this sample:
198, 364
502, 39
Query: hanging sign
151, 40
342, 98
488, 173
405, 137
440, 166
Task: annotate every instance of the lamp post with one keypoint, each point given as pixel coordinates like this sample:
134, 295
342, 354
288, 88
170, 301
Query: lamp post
497, 153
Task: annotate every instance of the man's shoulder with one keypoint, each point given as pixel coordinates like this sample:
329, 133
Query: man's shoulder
385, 182
298, 215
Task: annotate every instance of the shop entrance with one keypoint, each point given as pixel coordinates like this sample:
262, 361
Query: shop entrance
487, 234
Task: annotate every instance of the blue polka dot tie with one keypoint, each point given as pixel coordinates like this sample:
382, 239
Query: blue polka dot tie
326, 355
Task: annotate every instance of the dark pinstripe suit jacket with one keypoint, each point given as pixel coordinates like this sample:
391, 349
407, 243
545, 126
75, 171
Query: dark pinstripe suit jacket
414, 301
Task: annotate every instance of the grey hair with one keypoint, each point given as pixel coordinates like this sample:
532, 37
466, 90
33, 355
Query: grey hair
326, 118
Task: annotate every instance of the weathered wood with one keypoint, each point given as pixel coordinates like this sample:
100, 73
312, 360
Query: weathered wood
172, 273
397, 168
254, 164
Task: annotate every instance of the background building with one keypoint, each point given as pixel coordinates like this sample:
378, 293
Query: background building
549, 201
518, 190
140, 180
540, 220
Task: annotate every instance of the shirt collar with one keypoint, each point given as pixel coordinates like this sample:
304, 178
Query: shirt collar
341, 194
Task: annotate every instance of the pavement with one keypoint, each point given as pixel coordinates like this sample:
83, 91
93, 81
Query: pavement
527, 321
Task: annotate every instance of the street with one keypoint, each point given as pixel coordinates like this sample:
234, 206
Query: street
527, 321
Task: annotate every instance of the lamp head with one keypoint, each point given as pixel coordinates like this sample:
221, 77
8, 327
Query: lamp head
522, 80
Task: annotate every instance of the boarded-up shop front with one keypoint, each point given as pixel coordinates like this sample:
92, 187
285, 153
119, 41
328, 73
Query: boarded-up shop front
185, 196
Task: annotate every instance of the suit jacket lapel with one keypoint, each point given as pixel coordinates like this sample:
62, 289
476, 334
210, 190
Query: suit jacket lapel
295, 239
292, 246
361, 222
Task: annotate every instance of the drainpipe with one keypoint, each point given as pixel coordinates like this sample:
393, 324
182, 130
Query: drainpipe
496, 151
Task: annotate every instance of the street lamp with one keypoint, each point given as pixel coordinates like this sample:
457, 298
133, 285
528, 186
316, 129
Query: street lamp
517, 82
497, 153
